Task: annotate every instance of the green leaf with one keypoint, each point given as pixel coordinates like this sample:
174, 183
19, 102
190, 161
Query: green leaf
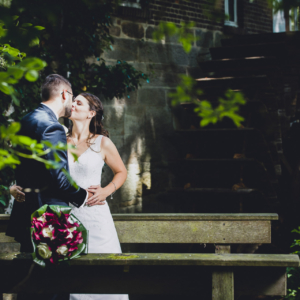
55, 209
70, 178
75, 156
13, 128
5, 88
26, 25
47, 144
16, 72
32, 75
39, 212
39, 27
26, 140
33, 63
56, 157
77, 252
38, 261
3, 202
65, 209
11, 51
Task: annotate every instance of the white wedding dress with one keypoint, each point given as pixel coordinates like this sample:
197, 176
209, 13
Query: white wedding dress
103, 238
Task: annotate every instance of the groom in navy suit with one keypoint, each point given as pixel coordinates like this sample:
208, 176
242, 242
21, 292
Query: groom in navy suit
42, 185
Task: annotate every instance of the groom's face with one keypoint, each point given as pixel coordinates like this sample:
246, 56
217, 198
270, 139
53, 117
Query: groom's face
68, 104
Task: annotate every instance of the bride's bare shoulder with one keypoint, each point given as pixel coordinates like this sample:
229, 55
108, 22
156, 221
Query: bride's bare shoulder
106, 142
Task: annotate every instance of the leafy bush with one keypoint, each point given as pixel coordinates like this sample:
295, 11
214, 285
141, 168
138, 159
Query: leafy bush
293, 274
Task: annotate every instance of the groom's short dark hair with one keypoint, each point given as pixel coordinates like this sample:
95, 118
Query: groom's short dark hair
52, 86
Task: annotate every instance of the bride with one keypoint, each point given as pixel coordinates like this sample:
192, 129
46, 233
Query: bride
93, 148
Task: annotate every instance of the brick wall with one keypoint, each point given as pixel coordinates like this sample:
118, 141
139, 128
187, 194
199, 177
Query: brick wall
177, 11
254, 17
257, 17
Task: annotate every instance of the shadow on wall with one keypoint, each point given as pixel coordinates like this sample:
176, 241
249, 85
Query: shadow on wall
141, 133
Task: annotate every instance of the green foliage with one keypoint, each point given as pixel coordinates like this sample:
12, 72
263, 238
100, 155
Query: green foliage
283, 5
228, 106
62, 35
83, 33
182, 32
293, 274
15, 146
186, 91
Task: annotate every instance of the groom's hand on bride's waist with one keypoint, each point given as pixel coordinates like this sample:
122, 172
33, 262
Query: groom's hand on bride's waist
97, 196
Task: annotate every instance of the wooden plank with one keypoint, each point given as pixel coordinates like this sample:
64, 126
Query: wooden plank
223, 285
225, 231
223, 280
180, 217
195, 217
153, 280
180, 259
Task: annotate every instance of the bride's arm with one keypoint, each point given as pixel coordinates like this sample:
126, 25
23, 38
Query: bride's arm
112, 158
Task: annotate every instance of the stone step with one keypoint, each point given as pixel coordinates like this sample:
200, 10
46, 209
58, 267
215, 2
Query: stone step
251, 66
8, 244
261, 38
3, 222
233, 83
253, 50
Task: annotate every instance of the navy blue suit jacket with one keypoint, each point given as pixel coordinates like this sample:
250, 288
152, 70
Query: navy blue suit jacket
43, 186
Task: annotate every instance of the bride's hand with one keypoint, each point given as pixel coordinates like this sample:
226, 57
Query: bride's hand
98, 198
15, 191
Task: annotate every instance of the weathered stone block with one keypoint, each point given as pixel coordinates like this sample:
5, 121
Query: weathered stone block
115, 31
217, 39
165, 75
114, 119
133, 30
152, 97
134, 120
124, 49
193, 57
158, 122
164, 54
205, 38
203, 55
149, 32
172, 39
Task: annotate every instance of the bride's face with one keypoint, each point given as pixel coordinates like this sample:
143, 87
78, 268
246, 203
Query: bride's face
81, 109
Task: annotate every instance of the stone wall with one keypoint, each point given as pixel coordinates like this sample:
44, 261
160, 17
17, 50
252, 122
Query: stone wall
142, 124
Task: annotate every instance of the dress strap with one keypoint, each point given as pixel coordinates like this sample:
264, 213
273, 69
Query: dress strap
98, 143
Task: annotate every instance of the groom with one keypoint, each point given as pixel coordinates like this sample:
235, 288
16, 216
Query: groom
41, 185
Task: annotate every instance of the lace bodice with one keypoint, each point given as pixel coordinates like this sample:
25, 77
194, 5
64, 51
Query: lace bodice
87, 170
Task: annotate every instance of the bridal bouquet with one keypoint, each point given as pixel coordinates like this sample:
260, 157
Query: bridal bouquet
56, 235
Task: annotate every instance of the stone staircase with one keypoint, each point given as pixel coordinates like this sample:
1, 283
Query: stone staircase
228, 169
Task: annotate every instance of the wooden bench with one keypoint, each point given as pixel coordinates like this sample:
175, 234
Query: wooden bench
218, 275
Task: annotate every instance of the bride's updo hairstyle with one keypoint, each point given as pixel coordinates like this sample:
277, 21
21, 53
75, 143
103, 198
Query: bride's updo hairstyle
96, 125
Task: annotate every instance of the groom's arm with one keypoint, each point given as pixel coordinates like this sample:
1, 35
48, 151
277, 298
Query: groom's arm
77, 197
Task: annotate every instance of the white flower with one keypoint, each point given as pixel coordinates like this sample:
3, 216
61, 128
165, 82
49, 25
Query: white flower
42, 218
70, 235
62, 250
44, 251
72, 229
47, 232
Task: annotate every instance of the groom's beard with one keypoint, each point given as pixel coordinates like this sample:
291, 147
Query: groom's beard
68, 112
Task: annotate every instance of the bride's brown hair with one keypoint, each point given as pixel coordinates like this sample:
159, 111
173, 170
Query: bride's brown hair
96, 125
